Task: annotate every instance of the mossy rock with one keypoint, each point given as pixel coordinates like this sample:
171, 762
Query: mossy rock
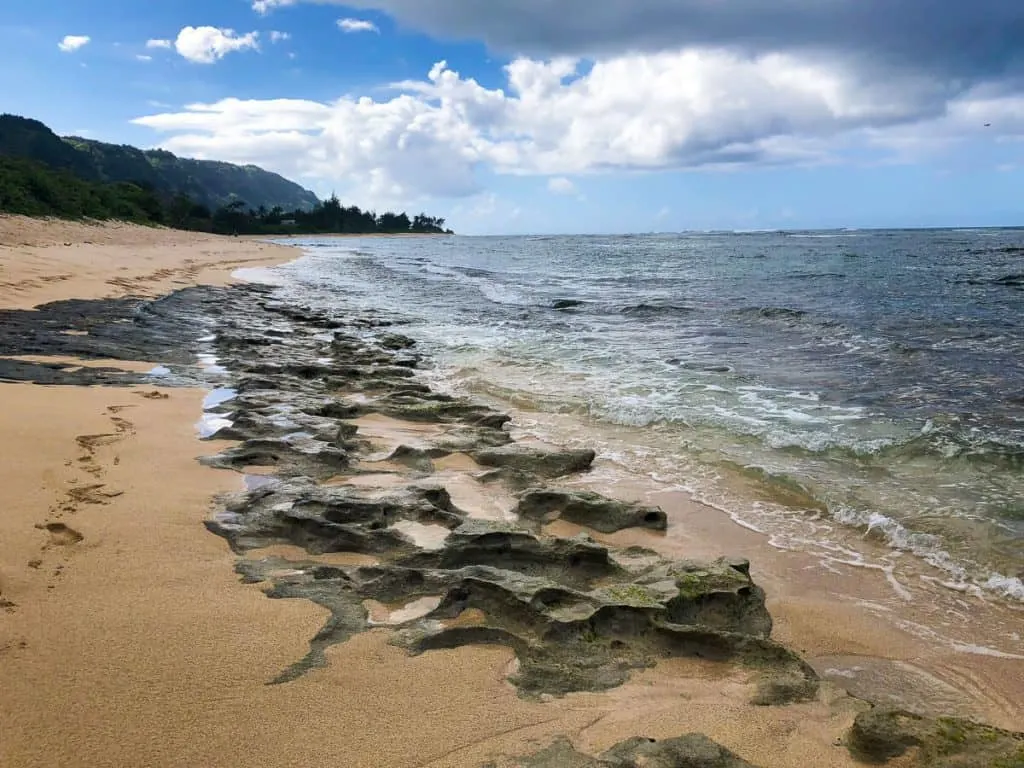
881, 734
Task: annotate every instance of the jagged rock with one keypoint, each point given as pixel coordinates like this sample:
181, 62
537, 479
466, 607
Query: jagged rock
574, 562
577, 616
590, 509
408, 396
414, 458
573, 640
396, 341
396, 387
330, 519
716, 594
439, 408
515, 479
694, 750
336, 409
346, 432
300, 370
256, 384
881, 734
465, 439
393, 372
309, 458
538, 461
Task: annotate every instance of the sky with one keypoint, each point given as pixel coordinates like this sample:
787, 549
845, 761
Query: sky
552, 116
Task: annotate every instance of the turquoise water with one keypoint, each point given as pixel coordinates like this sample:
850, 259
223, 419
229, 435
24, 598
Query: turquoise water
869, 379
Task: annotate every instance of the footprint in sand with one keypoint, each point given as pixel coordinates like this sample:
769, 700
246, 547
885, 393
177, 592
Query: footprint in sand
92, 442
153, 395
62, 535
13, 645
92, 494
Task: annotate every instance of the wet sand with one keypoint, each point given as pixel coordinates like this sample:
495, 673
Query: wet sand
127, 639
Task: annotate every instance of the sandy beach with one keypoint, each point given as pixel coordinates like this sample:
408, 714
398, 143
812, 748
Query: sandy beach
127, 638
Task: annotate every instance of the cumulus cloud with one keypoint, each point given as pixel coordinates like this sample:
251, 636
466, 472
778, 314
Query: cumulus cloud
143, 57
690, 109
159, 44
560, 185
279, 37
357, 25
205, 45
72, 43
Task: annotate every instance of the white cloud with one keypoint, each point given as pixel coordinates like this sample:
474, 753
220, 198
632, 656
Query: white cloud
263, 7
279, 37
560, 185
72, 43
159, 44
143, 57
205, 45
357, 25
687, 109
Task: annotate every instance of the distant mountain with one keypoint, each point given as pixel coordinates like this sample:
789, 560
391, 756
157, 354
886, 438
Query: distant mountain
209, 183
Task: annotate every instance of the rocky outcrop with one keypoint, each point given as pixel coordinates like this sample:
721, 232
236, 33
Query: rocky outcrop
579, 615
693, 750
589, 509
881, 734
536, 461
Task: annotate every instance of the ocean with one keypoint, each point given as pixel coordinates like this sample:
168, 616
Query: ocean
818, 387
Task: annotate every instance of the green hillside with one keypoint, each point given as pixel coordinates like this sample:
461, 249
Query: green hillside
208, 183
33, 189
42, 174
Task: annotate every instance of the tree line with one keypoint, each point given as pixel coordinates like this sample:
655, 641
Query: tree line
33, 189
327, 217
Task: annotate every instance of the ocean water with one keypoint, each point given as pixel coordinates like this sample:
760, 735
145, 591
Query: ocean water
807, 383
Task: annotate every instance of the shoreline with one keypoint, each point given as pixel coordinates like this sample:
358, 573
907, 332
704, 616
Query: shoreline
43, 260
223, 646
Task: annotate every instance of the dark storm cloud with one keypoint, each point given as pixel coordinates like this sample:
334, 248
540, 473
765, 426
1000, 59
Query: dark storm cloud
968, 38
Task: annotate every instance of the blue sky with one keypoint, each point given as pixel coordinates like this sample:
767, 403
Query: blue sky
532, 116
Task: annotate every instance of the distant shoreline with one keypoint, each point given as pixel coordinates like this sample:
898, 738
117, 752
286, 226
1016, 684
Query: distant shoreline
346, 235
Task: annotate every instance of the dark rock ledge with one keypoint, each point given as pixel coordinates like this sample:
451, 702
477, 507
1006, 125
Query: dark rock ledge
579, 616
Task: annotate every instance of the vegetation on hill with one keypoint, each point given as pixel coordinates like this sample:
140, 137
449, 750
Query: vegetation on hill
44, 175
32, 189
209, 183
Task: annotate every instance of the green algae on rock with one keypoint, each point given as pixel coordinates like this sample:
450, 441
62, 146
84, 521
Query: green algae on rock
693, 750
881, 734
